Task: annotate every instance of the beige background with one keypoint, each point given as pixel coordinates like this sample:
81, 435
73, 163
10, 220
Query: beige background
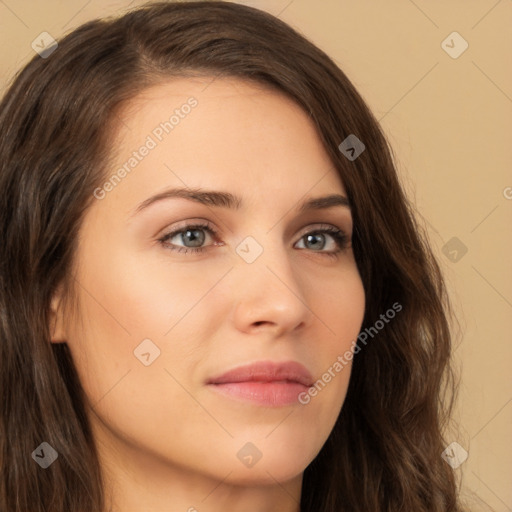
449, 121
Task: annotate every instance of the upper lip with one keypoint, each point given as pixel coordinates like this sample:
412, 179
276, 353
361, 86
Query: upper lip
266, 371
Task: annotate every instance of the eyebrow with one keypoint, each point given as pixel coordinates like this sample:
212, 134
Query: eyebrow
221, 199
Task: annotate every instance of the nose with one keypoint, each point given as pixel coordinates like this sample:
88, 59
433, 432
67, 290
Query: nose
269, 294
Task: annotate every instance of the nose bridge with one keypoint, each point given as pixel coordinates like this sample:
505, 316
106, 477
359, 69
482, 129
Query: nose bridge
265, 259
266, 287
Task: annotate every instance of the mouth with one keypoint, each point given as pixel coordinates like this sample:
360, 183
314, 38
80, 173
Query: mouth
264, 383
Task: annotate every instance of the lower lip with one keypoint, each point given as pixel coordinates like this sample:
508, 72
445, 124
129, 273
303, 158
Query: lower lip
270, 394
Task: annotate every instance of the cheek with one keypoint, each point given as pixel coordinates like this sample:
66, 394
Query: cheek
344, 304
340, 305
133, 308
137, 308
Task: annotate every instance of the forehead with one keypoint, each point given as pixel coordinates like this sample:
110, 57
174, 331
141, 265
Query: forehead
219, 133
224, 109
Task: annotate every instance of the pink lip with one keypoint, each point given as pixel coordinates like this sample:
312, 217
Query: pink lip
266, 383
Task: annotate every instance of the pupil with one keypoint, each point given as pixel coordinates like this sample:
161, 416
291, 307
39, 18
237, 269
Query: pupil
191, 234
315, 238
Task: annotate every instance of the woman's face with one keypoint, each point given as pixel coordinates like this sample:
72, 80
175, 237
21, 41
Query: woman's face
167, 308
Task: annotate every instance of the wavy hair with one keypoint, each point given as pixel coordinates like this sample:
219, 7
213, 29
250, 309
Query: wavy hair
57, 119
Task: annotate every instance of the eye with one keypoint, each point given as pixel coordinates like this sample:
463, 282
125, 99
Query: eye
318, 240
192, 238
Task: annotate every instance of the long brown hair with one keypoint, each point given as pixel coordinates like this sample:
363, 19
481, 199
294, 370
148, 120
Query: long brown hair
56, 120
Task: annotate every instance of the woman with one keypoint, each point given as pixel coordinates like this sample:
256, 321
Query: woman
214, 294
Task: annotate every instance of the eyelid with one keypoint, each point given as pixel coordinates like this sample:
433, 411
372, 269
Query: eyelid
319, 226
207, 225
187, 224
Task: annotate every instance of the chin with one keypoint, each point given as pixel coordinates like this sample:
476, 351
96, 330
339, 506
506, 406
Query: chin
281, 458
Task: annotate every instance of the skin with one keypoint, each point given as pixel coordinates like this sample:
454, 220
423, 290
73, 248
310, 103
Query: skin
167, 441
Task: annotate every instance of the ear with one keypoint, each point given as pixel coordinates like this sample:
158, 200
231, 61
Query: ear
57, 331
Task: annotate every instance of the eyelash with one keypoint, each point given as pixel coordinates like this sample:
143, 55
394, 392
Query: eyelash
339, 236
